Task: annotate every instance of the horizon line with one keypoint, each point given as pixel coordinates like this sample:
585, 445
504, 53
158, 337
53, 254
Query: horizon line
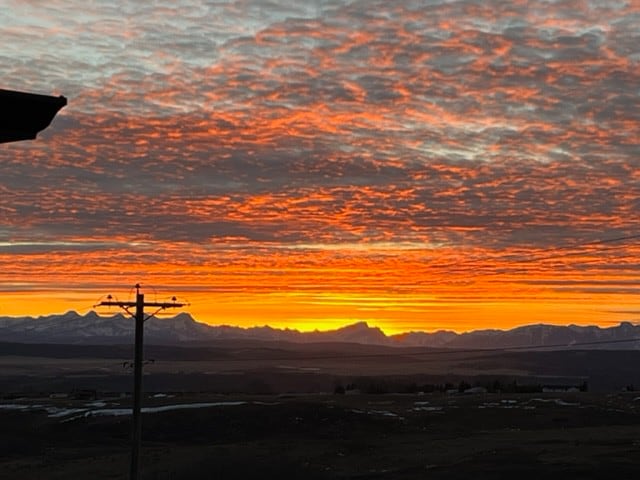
367, 323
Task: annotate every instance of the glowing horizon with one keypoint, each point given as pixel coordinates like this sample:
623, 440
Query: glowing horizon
416, 165
316, 290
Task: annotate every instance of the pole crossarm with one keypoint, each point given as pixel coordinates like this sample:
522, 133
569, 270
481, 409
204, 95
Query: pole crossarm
161, 305
116, 304
164, 304
125, 306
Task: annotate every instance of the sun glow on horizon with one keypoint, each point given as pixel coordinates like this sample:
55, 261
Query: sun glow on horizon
409, 289
393, 313
308, 164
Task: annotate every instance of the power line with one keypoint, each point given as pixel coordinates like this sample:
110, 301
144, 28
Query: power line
574, 247
453, 351
549, 256
439, 351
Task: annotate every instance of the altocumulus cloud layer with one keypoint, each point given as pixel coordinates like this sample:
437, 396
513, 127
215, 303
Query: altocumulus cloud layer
252, 143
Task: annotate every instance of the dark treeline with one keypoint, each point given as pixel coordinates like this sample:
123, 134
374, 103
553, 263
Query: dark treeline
382, 386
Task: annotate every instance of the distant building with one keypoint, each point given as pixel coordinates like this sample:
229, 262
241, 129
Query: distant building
560, 389
59, 395
475, 390
85, 394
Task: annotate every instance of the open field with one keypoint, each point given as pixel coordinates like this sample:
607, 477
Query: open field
276, 367
580, 435
243, 410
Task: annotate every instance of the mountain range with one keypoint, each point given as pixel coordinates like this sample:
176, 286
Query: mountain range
182, 329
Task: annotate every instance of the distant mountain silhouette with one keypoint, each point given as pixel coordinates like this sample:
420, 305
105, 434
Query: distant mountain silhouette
73, 328
530, 335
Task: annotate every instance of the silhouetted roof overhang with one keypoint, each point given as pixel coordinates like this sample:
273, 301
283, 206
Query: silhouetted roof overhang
24, 115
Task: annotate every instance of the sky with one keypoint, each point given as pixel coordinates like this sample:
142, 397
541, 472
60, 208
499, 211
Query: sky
418, 165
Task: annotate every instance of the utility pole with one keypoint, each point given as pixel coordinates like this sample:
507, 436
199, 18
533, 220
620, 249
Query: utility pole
139, 316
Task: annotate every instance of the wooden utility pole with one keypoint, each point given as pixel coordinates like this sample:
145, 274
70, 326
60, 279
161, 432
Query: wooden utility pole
139, 304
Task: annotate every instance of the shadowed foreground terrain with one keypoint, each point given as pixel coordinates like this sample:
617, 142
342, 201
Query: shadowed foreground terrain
578, 435
254, 410
276, 367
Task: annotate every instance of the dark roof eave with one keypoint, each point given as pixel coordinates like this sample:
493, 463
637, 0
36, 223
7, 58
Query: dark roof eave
23, 115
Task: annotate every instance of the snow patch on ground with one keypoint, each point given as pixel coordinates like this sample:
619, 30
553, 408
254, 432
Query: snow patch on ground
16, 406
164, 408
557, 401
97, 409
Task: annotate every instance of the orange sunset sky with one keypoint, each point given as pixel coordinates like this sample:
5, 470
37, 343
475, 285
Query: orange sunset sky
418, 165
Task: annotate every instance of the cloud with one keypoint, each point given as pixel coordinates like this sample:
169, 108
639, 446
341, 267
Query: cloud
491, 127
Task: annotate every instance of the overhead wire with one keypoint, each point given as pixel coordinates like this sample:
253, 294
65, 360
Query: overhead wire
434, 352
533, 256
441, 351
561, 252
